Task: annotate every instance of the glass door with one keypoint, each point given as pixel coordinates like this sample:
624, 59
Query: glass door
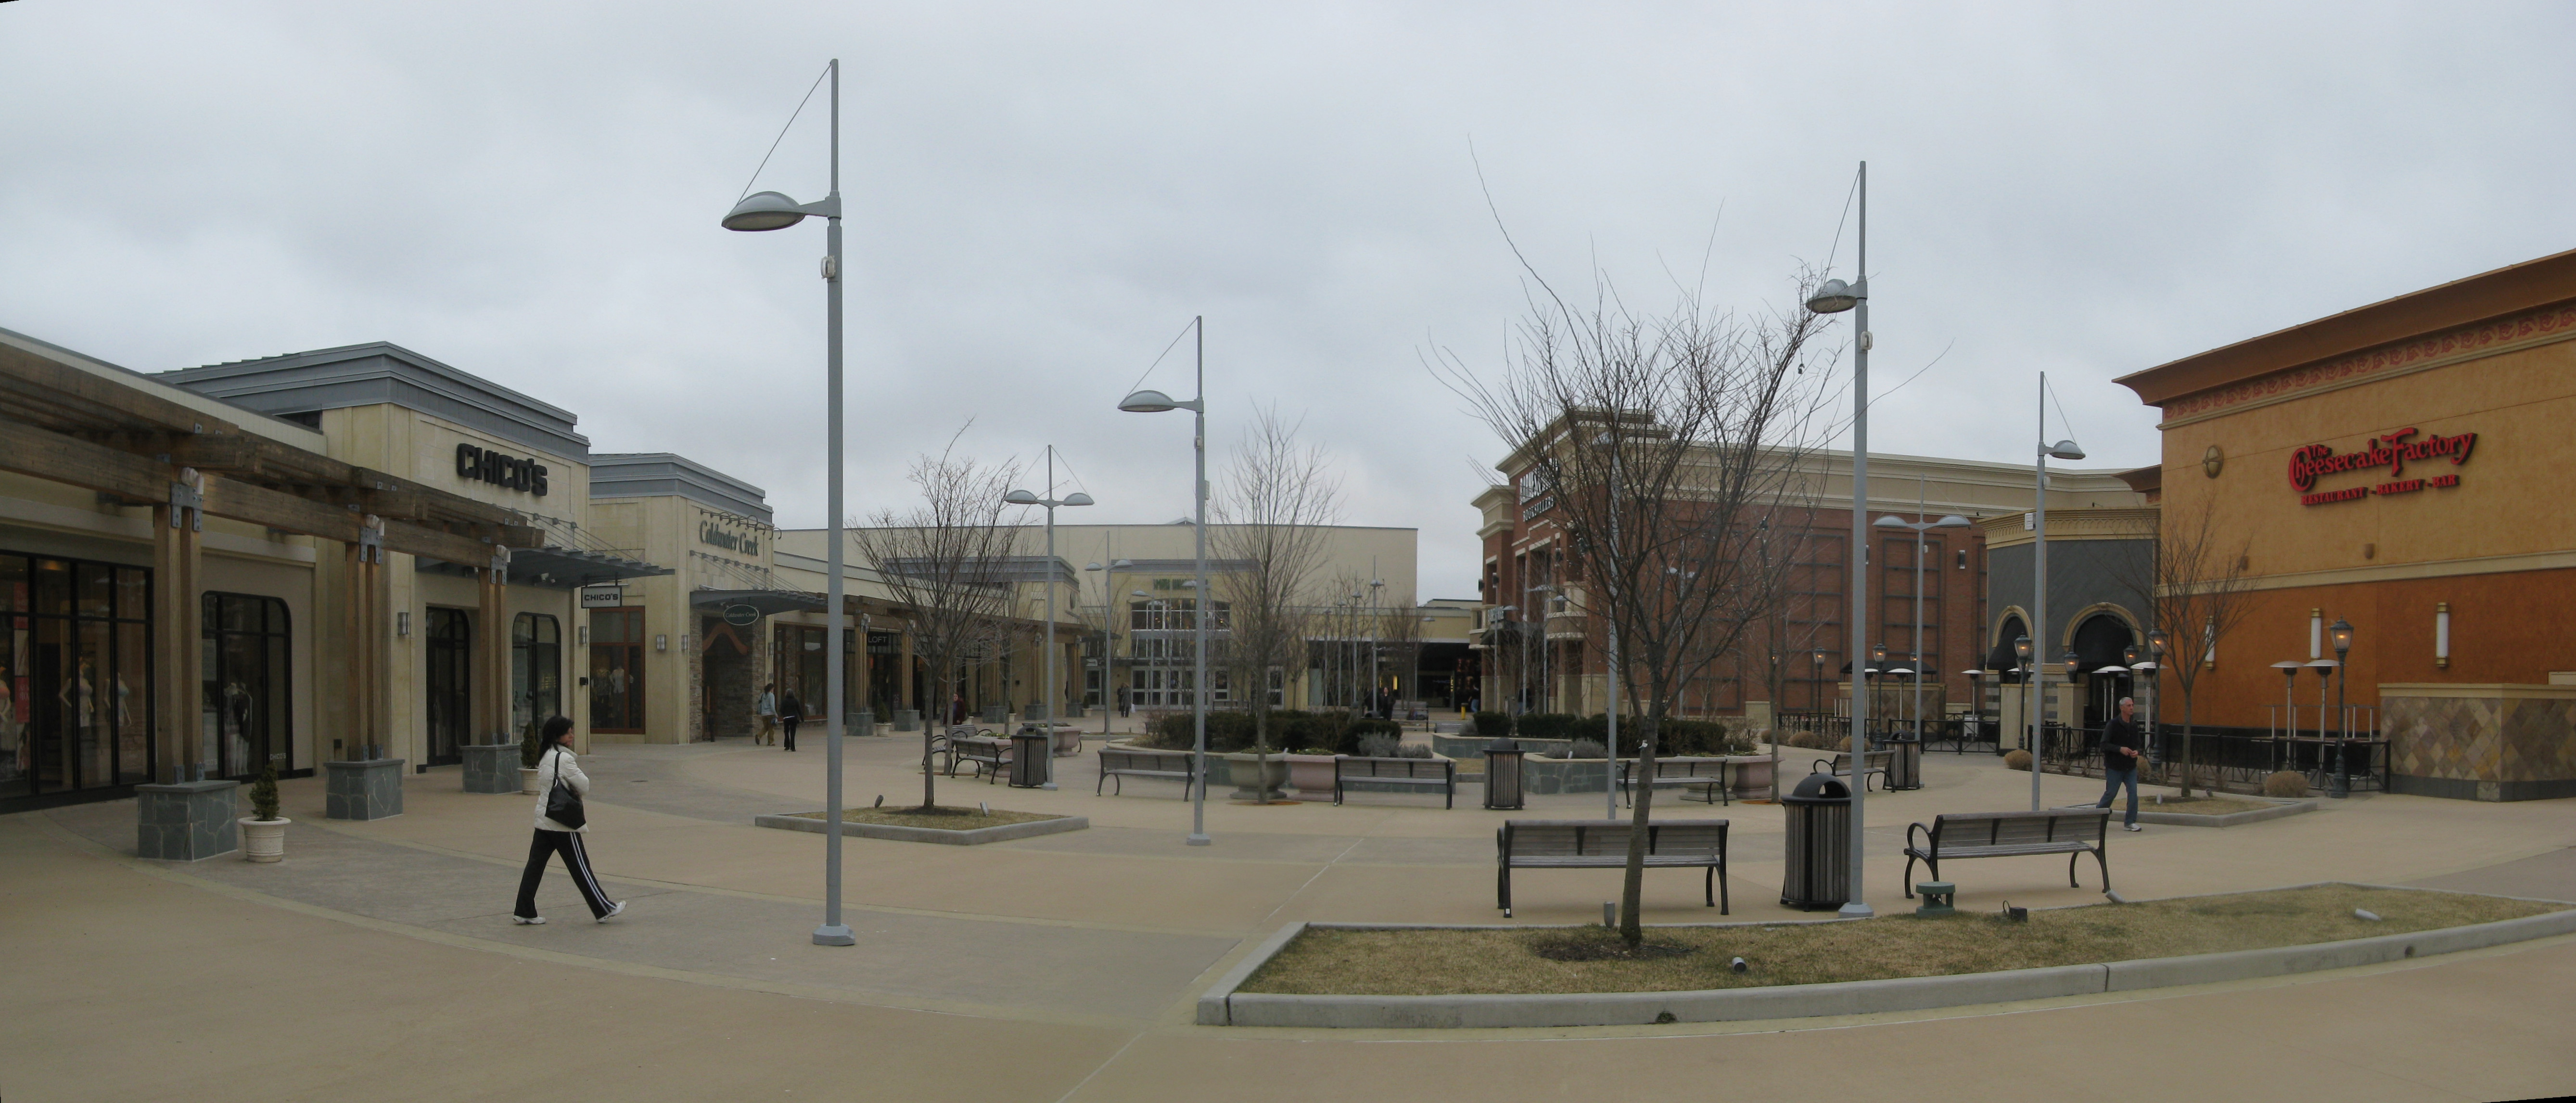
617, 670
450, 703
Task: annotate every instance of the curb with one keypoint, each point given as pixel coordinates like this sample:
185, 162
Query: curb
2279, 809
1221, 1005
898, 833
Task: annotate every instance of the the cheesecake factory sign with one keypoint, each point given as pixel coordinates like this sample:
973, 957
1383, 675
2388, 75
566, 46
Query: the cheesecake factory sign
2387, 454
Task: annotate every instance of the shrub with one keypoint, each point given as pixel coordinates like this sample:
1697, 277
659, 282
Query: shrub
1493, 725
1545, 725
1581, 748
1413, 750
1380, 745
2017, 760
263, 793
2285, 783
529, 747
1324, 751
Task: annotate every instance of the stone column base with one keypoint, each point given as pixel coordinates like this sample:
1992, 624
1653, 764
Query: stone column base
188, 821
365, 790
492, 768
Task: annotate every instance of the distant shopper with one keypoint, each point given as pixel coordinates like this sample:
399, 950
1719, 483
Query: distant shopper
790, 712
555, 764
2121, 748
767, 708
957, 709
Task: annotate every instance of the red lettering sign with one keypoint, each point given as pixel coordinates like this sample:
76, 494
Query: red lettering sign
2390, 451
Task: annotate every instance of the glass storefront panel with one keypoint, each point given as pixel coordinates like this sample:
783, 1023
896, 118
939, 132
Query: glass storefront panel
134, 704
448, 699
617, 670
246, 679
536, 671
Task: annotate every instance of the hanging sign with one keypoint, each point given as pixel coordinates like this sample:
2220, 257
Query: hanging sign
609, 596
740, 615
2391, 452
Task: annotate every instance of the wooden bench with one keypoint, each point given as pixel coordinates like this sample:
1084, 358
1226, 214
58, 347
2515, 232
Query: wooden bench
2074, 832
1708, 775
987, 753
1873, 764
1425, 772
1603, 844
1126, 762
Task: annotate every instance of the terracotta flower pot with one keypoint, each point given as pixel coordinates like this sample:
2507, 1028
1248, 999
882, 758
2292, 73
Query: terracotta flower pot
263, 840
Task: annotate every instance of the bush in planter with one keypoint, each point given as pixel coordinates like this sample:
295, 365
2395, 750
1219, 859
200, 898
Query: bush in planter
530, 747
1493, 725
1380, 745
2285, 783
1360, 731
1580, 748
1545, 725
263, 793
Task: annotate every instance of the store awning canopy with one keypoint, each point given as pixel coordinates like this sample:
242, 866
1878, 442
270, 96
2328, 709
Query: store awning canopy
569, 568
769, 603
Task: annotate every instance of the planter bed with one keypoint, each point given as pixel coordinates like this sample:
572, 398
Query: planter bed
1399, 976
2261, 808
902, 826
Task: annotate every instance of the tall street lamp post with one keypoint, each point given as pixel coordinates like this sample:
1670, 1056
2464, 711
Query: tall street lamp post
771, 210
1891, 521
1156, 402
2064, 450
1047, 688
2343, 720
1834, 298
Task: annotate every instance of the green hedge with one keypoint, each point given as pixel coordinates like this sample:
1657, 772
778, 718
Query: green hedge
1230, 731
1493, 725
1546, 725
1675, 738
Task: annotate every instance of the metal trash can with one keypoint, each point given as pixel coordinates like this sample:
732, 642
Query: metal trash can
1818, 863
1032, 754
1905, 761
1503, 774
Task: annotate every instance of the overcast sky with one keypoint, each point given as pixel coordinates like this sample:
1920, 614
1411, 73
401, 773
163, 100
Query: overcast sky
1040, 197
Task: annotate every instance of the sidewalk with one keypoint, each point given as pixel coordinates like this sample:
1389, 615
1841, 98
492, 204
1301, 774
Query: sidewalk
379, 959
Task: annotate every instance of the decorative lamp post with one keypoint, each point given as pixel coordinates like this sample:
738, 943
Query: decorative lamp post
2155, 694
2064, 450
2030, 712
1156, 402
771, 210
1834, 297
1047, 687
2343, 721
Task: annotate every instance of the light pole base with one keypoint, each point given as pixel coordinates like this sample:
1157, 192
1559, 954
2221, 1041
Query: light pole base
1199, 840
829, 935
1856, 910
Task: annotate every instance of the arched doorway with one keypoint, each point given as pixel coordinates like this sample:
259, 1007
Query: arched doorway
2100, 641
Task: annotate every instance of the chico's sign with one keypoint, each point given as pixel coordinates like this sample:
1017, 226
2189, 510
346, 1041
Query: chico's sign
511, 472
2390, 451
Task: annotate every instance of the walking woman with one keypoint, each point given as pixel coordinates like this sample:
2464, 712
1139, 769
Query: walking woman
790, 713
555, 765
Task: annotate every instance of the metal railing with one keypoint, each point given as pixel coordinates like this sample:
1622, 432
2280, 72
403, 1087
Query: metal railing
2228, 759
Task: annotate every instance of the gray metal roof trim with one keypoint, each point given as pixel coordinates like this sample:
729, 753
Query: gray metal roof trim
337, 378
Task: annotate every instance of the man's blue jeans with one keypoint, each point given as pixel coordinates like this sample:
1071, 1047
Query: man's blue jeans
2112, 780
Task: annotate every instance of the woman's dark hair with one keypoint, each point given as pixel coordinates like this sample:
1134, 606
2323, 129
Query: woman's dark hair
552, 736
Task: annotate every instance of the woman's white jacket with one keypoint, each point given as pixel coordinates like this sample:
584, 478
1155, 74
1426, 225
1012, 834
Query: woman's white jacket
559, 763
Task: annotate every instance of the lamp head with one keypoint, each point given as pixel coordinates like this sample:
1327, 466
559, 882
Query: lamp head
1833, 298
1091, 566
1952, 521
2021, 647
1148, 402
2129, 654
1121, 564
2065, 450
764, 210
2156, 640
1892, 521
1878, 653
1820, 657
1020, 498
2342, 636
1077, 498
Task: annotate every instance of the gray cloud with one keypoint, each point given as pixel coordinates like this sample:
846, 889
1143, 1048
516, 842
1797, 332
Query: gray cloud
1041, 197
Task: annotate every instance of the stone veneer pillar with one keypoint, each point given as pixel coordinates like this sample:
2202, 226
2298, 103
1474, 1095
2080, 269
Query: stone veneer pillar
186, 821
2480, 742
364, 790
491, 768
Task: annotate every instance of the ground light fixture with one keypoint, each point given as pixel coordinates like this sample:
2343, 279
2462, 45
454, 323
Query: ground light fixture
2342, 633
771, 210
1835, 297
1156, 402
1046, 684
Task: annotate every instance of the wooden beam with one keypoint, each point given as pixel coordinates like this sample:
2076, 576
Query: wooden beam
75, 389
32, 451
277, 509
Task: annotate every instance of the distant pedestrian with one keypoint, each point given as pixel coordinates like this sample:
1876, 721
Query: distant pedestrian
2121, 748
767, 708
790, 712
957, 709
555, 765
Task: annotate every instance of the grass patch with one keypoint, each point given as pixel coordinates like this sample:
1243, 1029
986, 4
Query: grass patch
1591, 959
944, 818
2204, 806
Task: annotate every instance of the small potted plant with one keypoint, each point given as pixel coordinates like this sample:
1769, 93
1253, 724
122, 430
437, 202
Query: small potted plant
528, 750
264, 831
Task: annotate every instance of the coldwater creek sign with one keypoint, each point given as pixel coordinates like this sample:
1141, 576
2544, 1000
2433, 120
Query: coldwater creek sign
2391, 452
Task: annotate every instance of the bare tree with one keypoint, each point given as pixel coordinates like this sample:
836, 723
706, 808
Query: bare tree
1663, 442
948, 559
1399, 646
2192, 580
1272, 516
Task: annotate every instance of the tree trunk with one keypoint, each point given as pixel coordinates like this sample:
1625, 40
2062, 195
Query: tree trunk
2186, 743
929, 737
1632, 890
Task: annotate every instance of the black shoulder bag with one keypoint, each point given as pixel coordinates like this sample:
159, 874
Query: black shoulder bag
562, 804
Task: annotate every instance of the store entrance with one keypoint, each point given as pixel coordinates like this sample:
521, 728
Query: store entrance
450, 704
727, 695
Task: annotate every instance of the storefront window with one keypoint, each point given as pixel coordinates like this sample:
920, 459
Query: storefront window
617, 670
75, 676
536, 671
245, 702
448, 699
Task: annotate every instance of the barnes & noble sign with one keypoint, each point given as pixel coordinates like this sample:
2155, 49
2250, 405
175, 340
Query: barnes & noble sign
2387, 454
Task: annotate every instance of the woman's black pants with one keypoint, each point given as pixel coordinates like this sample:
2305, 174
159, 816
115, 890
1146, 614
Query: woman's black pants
546, 845
791, 723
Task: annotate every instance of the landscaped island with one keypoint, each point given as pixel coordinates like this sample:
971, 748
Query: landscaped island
1552, 960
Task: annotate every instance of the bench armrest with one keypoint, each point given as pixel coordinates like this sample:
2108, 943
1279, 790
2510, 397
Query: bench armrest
1929, 836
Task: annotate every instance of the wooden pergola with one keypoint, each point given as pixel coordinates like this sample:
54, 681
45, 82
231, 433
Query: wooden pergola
87, 424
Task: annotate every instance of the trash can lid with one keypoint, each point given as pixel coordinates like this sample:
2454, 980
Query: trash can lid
1504, 743
1819, 789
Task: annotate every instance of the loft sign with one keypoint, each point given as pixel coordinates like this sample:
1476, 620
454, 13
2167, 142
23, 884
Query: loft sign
714, 535
484, 465
2390, 452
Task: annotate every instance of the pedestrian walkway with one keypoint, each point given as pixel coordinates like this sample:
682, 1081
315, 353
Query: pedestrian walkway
378, 959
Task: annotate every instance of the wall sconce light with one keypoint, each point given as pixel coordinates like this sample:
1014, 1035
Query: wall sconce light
402, 625
2316, 634
661, 643
584, 633
2442, 635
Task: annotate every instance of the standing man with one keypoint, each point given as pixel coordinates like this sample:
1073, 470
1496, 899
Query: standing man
767, 709
791, 710
2121, 746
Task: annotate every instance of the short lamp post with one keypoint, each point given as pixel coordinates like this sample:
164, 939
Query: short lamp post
771, 210
2156, 694
1156, 402
2342, 631
2030, 715
1047, 690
